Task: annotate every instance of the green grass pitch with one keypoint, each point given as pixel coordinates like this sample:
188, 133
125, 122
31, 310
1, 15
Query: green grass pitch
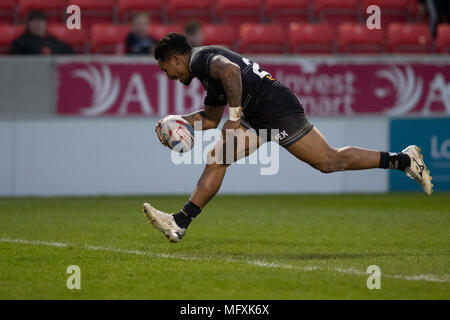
240, 247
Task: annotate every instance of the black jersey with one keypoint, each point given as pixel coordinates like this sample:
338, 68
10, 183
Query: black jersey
257, 84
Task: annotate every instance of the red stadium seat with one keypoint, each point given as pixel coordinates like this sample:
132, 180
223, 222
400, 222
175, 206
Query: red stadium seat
261, 38
415, 13
181, 11
222, 35
8, 33
94, 11
391, 10
357, 38
311, 38
443, 38
337, 11
154, 8
158, 31
108, 38
54, 10
286, 11
7, 8
76, 38
237, 12
409, 38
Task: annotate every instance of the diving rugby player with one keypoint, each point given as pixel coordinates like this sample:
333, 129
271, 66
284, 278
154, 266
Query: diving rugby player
256, 101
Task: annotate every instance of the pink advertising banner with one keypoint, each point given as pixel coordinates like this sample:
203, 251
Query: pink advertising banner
340, 88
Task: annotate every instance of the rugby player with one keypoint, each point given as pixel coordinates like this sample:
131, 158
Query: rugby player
256, 101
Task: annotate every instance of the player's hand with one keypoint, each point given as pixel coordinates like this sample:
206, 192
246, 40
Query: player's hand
158, 133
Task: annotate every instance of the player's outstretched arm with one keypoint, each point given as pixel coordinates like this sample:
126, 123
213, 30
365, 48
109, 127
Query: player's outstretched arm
209, 117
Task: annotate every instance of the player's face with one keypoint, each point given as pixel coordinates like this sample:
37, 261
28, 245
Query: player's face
176, 70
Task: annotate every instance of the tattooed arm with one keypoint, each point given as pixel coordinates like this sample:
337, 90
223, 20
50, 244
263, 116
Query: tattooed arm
229, 74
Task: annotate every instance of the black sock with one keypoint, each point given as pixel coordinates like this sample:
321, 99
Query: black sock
187, 214
393, 160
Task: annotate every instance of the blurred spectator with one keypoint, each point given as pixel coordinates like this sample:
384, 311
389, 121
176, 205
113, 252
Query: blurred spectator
36, 39
439, 12
194, 34
139, 40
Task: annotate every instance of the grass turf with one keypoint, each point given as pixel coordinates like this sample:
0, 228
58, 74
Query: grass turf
240, 247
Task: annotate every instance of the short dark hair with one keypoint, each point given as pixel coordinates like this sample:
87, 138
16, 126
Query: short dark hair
171, 44
36, 15
192, 27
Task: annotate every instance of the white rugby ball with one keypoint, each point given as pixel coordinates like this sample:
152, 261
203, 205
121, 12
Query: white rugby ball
177, 133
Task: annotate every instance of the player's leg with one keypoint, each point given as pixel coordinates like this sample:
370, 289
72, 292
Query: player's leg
174, 226
314, 149
245, 142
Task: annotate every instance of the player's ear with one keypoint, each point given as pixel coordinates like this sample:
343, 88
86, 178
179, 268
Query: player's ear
176, 59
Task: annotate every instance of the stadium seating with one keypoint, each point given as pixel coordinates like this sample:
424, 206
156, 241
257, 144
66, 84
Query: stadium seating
7, 35
337, 11
391, 10
356, 38
261, 38
286, 11
237, 12
54, 9
443, 38
337, 24
158, 31
415, 13
181, 11
310, 38
223, 35
409, 38
95, 11
75, 38
154, 8
7, 8
108, 38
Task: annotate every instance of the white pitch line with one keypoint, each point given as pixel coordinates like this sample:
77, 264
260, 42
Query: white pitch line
263, 264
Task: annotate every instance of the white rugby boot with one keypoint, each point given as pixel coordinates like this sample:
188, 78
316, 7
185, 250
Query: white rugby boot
418, 170
164, 222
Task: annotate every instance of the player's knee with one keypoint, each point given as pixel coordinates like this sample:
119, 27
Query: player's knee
329, 162
213, 124
324, 167
216, 158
